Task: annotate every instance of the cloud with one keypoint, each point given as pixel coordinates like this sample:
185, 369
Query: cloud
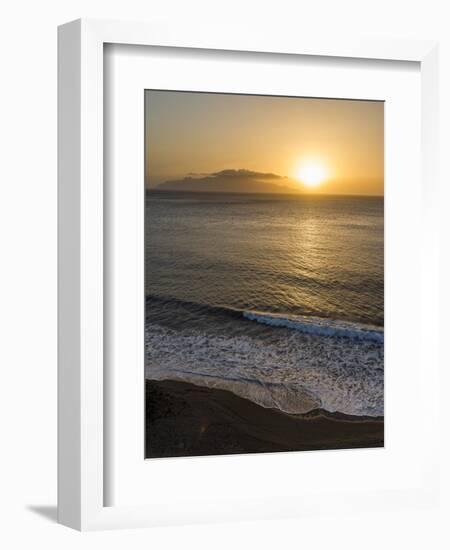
243, 173
197, 174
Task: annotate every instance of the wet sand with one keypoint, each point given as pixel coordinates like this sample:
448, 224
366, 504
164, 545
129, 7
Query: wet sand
187, 420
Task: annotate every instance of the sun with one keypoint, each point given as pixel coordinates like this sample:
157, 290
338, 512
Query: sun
312, 173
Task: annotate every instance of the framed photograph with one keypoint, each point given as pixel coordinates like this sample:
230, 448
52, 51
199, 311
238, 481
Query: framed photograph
247, 275
264, 282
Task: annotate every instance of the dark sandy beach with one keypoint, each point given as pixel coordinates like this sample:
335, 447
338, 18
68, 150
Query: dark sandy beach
187, 420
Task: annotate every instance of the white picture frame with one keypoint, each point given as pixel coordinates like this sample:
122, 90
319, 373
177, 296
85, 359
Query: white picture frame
81, 390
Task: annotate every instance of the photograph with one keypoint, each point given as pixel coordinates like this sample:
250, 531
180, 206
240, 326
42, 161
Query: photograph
264, 273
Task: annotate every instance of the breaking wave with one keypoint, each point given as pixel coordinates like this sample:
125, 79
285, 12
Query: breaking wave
318, 326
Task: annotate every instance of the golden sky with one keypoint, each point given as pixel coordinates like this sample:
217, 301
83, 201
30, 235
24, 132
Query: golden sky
316, 145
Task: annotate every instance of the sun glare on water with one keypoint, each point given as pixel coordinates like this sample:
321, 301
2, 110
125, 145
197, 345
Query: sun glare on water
311, 173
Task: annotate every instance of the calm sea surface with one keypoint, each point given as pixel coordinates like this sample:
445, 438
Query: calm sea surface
277, 298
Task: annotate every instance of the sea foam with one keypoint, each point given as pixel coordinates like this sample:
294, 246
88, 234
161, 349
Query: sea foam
298, 371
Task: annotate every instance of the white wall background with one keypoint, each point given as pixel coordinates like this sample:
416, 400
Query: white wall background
28, 270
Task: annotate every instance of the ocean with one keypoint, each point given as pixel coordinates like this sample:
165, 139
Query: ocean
277, 298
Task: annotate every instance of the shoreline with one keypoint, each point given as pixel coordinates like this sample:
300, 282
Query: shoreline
183, 419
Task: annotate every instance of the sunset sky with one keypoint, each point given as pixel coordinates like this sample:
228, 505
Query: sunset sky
314, 145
